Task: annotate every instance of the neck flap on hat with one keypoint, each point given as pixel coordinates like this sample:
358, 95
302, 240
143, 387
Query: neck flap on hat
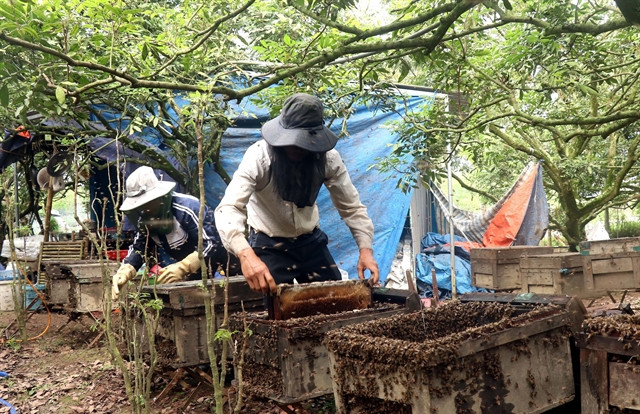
297, 182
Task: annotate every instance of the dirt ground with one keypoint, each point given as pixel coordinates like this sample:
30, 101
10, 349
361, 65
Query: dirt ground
66, 370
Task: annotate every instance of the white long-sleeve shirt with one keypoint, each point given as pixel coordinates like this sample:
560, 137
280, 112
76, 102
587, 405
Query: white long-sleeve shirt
251, 198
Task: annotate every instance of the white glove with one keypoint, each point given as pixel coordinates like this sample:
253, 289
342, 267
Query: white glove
125, 273
177, 271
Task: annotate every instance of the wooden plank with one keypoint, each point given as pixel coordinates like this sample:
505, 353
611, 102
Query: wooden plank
539, 276
508, 253
594, 389
484, 266
587, 272
611, 265
613, 281
608, 344
515, 333
635, 264
624, 385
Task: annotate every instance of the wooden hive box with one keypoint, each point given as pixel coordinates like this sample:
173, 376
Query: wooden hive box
622, 244
77, 285
183, 317
498, 268
456, 358
287, 362
610, 271
609, 366
557, 273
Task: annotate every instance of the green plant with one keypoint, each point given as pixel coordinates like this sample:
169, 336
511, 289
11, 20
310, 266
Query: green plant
24, 231
13, 344
625, 229
54, 227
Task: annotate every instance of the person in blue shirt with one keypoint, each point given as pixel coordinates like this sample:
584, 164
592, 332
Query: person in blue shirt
168, 219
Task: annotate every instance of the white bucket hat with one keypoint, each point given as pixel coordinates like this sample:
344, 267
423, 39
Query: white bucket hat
43, 181
143, 186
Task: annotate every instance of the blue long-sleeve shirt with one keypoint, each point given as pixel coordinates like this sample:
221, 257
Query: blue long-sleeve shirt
183, 238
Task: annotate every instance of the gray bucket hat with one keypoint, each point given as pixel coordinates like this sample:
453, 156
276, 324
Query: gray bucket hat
300, 124
143, 186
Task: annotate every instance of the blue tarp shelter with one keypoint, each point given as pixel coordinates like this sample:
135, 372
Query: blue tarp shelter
520, 217
368, 140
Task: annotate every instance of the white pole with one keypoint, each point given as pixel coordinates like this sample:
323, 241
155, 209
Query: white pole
454, 292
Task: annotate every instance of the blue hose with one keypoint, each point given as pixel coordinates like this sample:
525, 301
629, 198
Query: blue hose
12, 409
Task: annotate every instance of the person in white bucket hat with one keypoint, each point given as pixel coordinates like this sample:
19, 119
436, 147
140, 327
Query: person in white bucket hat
170, 220
274, 191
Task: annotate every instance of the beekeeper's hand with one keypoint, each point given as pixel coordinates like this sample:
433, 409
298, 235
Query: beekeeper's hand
125, 273
177, 271
256, 272
367, 262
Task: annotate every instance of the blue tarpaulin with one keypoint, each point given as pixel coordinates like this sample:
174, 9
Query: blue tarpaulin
436, 254
519, 218
368, 140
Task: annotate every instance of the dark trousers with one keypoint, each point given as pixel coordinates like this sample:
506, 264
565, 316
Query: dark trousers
305, 258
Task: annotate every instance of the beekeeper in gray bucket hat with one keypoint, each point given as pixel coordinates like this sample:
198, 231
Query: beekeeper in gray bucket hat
274, 191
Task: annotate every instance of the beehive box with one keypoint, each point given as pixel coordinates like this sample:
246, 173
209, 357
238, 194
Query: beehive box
557, 273
183, 317
609, 367
459, 358
611, 271
499, 268
622, 244
78, 286
286, 359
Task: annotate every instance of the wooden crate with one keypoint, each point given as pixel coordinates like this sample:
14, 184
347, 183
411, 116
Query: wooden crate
66, 251
520, 366
611, 271
499, 268
557, 273
622, 244
604, 380
287, 361
183, 317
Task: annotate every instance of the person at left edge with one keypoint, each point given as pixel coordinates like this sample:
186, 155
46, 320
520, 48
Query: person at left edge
168, 219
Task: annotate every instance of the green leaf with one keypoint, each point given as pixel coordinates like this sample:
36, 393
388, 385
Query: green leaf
404, 70
4, 96
60, 95
588, 89
145, 51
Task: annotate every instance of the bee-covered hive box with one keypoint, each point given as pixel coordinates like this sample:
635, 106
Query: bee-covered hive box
286, 360
609, 364
458, 358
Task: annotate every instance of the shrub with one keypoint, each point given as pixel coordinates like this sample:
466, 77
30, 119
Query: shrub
625, 229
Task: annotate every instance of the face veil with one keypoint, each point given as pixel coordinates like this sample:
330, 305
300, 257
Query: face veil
297, 182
